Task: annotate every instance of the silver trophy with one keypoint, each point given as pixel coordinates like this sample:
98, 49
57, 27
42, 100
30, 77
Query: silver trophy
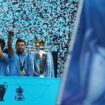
41, 57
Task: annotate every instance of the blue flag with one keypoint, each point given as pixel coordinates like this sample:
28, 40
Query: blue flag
85, 80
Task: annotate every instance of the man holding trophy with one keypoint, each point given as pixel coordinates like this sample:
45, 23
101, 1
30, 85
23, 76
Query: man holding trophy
37, 63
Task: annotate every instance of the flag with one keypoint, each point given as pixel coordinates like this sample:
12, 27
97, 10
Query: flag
84, 83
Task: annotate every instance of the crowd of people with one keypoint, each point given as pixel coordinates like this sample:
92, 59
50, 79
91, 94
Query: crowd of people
21, 63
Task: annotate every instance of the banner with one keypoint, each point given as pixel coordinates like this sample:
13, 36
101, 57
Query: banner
28, 91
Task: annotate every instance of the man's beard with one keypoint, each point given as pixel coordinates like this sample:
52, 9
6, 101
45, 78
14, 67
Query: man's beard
20, 52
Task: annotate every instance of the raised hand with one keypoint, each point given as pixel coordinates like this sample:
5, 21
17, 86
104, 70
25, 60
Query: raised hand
11, 32
10, 48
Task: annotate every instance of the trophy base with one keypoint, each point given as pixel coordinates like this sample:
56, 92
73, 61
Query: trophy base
42, 76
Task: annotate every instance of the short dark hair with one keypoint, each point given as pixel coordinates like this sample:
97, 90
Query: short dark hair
20, 40
2, 43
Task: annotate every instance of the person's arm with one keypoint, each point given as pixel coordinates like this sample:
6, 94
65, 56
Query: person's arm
1, 53
10, 48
